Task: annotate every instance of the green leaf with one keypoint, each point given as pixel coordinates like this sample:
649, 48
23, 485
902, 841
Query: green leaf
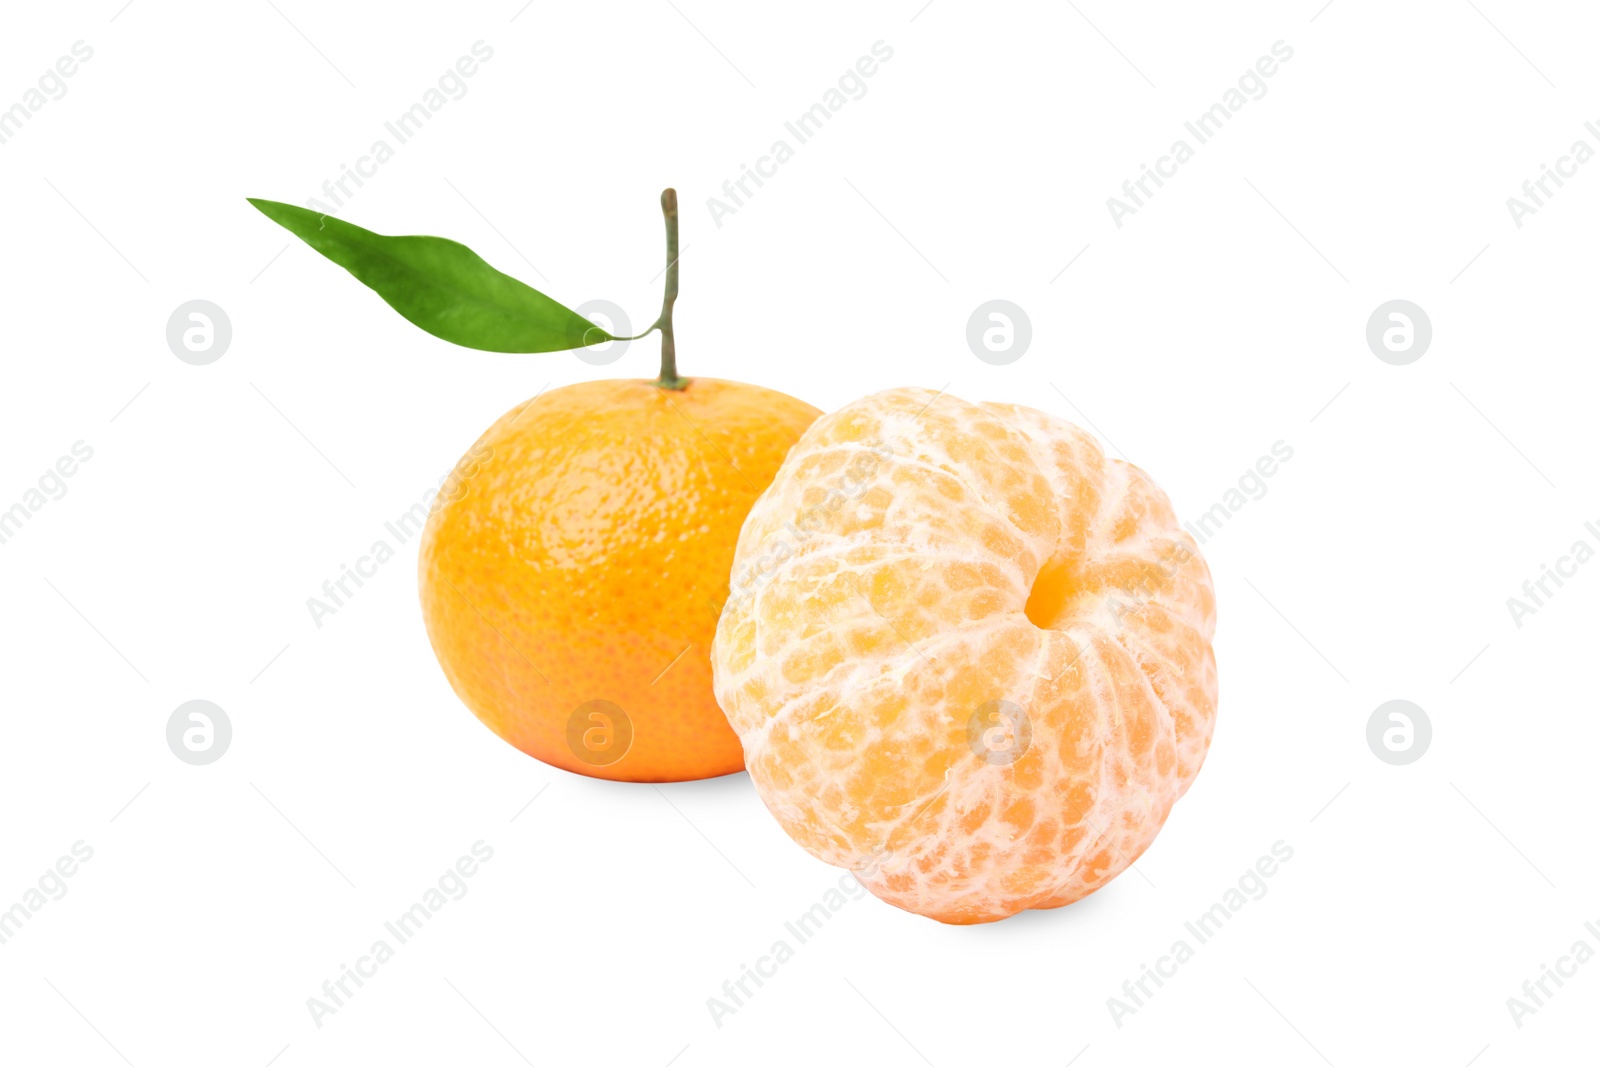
442, 286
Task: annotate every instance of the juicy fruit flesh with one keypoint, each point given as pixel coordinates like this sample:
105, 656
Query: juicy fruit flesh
981, 674
1055, 585
580, 553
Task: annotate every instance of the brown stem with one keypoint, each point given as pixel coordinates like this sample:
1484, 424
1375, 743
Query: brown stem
669, 350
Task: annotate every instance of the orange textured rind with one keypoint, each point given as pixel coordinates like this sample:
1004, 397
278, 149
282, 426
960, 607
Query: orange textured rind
573, 567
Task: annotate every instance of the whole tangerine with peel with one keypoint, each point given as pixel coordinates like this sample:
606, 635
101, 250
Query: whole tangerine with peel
571, 586
574, 564
967, 654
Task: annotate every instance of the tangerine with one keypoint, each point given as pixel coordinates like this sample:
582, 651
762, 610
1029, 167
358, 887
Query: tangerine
572, 574
984, 676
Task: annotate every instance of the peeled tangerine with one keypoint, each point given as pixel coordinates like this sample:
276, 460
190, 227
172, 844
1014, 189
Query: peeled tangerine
968, 656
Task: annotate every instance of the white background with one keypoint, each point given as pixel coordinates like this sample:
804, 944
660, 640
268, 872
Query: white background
1226, 315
